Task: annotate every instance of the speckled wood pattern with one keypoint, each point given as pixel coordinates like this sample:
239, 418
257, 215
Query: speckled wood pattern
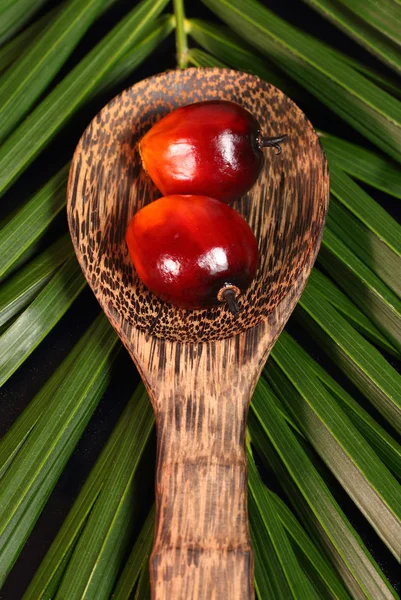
285, 208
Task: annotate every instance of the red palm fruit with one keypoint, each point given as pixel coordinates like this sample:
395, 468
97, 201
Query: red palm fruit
193, 251
209, 148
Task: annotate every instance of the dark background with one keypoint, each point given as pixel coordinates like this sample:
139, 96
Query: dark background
27, 381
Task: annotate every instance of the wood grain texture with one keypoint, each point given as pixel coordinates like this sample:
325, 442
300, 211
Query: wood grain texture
200, 367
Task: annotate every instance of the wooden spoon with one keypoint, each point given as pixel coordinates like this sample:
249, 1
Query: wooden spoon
200, 367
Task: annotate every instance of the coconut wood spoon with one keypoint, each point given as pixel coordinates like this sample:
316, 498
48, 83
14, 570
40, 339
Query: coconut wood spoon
200, 367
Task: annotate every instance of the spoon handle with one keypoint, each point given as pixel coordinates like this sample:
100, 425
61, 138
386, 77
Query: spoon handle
202, 548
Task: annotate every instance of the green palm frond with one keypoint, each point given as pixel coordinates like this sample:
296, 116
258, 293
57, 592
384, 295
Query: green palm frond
365, 165
14, 14
35, 68
325, 421
11, 51
27, 140
372, 24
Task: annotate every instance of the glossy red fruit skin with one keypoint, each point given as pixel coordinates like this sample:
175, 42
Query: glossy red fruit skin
186, 248
208, 148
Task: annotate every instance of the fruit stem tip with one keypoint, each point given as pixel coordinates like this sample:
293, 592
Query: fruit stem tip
231, 300
265, 142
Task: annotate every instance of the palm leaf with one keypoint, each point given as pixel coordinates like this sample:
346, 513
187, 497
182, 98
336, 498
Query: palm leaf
136, 559
339, 443
53, 566
317, 568
11, 51
162, 27
350, 311
317, 429
373, 249
363, 164
37, 464
14, 14
270, 582
143, 588
292, 577
24, 286
35, 132
106, 532
22, 84
223, 44
376, 219
32, 326
363, 364
31, 221
382, 17
230, 48
198, 58
374, 28
381, 441
308, 491
365, 288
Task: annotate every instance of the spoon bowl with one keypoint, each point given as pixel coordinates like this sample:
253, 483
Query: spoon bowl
200, 367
